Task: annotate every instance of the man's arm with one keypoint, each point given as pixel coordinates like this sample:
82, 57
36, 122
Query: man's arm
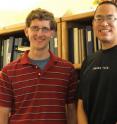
4, 115
81, 115
71, 113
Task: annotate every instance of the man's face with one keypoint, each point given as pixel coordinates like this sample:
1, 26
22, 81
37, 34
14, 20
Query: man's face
39, 34
105, 24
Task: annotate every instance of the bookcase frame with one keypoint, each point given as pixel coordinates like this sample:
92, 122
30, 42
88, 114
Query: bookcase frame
72, 21
63, 24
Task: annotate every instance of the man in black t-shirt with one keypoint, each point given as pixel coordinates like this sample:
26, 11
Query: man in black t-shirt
97, 93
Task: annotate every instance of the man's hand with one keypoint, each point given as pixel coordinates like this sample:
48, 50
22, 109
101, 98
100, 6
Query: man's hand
4, 115
81, 115
71, 113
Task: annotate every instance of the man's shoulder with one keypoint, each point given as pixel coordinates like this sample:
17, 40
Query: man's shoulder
91, 59
12, 64
64, 62
94, 56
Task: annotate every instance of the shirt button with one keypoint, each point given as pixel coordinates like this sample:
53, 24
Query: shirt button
39, 74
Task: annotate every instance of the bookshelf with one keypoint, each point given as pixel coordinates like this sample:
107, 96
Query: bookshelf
12, 29
59, 35
13, 42
75, 37
11, 37
74, 31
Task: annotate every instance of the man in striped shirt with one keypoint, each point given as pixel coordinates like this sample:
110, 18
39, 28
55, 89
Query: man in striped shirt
38, 87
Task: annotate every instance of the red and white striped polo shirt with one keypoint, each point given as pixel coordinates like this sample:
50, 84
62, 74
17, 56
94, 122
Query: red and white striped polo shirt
37, 96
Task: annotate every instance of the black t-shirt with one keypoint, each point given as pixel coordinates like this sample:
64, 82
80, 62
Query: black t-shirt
98, 87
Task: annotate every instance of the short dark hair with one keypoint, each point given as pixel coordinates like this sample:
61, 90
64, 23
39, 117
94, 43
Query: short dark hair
41, 14
105, 2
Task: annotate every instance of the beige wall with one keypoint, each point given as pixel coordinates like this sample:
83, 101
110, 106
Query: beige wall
15, 11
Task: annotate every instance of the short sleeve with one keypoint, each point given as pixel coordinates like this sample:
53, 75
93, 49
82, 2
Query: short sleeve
6, 93
80, 86
72, 87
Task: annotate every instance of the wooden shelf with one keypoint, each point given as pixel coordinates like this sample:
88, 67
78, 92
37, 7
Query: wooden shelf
77, 66
63, 25
12, 28
16, 27
68, 24
78, 16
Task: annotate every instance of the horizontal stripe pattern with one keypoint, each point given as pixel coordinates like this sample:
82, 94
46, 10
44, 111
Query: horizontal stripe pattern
37, 95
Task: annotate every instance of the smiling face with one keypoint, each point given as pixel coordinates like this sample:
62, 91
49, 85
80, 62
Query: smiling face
105, 24
39, 34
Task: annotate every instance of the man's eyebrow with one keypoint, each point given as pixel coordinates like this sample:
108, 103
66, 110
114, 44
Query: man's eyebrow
104, 15
109, 15
98, 16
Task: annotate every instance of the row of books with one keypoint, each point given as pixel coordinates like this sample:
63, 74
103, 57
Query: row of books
9, 48
81, 43
12, 47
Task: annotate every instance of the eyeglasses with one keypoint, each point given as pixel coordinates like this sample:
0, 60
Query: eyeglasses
108, 18
36, 29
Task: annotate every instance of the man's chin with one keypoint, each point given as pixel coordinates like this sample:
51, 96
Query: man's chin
105, 40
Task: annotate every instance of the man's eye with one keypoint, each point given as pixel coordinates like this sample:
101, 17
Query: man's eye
46, 29
34, 28
99, 19
110, 18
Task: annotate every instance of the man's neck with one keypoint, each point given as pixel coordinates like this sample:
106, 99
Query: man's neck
108, 45
38, 55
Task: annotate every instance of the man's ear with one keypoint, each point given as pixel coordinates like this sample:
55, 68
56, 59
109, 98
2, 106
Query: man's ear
93, 24
26, 31
53, 34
